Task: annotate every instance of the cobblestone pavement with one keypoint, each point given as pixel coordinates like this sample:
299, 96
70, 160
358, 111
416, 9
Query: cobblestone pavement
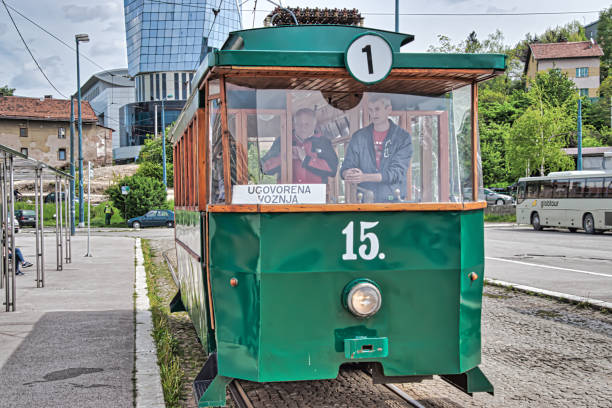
537, 352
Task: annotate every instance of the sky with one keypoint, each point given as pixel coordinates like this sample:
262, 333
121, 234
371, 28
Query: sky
104, 22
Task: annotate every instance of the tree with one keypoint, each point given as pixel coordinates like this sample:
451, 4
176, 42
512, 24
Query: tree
537, 136
573, 31
6, 91
156, 171
604, 39
557, 89
152, 150
145, 194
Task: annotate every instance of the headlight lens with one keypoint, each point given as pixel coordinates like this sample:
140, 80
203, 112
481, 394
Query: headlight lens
364, 299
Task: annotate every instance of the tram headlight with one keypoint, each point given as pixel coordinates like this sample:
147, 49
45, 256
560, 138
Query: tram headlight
362, 298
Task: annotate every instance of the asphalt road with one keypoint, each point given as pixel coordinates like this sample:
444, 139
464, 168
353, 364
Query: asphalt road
557, 260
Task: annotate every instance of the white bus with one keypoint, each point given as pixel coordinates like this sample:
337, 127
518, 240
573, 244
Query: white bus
567, 199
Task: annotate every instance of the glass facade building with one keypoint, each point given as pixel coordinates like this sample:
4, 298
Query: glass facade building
166, 41
175, 35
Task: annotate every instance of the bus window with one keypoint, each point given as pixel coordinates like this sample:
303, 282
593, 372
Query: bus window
533, 188
561, 187
594, 188
576, 189
608, 187
520, 195
546, 189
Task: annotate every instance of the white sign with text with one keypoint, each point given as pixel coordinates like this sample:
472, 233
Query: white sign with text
279, 194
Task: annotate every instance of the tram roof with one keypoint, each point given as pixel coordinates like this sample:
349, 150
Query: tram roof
311, 47
24, 167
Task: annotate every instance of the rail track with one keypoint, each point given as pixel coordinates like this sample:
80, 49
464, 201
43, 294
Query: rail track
353, 388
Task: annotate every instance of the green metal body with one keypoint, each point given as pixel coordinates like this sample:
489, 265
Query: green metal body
285, 319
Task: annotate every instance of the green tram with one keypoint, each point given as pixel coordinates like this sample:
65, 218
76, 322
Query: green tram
329, 209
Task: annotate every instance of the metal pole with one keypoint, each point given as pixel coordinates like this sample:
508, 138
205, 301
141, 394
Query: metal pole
2, 221
164, 144
72, 229
579, 134
5, 240
397, 16
42, 232
58, 254
155, 125
38, 224
62, 198
12, 215
81, 214
67, 232
88, 254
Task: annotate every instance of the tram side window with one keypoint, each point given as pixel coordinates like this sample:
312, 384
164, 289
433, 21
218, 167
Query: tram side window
217, 187
608, 187
546, 189
561, 187
576, 189
594, 188
533, 188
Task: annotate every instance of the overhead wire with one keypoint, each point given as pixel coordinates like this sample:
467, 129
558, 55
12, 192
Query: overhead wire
30, 52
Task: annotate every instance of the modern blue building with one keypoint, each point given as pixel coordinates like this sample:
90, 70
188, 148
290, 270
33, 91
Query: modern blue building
166, 41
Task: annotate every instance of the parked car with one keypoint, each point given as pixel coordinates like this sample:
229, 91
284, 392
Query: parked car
26, 218
16, 223
496, 198
50, 198
154, 218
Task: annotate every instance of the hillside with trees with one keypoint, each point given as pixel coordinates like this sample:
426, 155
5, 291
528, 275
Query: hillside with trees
523, 126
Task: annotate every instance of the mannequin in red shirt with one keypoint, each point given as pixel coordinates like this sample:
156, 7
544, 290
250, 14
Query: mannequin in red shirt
313, 156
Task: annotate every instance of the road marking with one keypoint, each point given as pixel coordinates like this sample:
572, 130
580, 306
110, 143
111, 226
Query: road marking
549, 267
573, 298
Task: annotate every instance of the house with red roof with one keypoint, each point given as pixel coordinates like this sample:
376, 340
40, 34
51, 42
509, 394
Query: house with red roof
579, 60
40, 128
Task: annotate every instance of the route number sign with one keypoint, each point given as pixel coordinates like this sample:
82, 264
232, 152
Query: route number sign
369, 58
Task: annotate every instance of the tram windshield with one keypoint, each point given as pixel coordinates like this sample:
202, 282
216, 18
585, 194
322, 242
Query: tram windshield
291, 146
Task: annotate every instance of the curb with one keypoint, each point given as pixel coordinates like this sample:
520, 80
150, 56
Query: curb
598, 304
148, 389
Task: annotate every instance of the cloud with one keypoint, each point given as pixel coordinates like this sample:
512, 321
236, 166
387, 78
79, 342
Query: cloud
100, 49
80, 14
493, 9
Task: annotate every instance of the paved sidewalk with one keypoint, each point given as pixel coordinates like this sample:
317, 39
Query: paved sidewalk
71, 343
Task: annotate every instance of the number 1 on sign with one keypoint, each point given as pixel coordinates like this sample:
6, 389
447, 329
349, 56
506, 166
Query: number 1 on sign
368, 51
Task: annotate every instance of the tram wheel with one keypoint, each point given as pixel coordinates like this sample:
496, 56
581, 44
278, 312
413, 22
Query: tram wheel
588, 223
535, 221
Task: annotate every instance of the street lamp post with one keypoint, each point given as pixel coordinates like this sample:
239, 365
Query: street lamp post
80, 38
163, 119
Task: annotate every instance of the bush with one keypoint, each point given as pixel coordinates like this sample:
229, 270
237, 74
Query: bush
156, 171
146, 193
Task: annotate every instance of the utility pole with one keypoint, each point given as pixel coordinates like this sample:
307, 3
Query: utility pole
163, 118
579, 164
80, 38
397, 16
72, 165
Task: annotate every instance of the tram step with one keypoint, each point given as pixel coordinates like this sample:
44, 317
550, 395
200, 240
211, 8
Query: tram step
176, 304
209, 388
470, 382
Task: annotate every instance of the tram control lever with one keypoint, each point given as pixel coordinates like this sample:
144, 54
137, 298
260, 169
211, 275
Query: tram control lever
397, 195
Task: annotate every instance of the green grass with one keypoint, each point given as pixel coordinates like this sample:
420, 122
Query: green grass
500, 218
97, 214
168, 357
